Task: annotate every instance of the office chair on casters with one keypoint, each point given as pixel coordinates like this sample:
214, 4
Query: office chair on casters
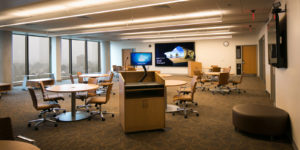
104, 84
203, 79
80, 79
99, 101
183, 99
44, 107
236, 80
222, 84
52, 97
6, 131
188, 90
84, 95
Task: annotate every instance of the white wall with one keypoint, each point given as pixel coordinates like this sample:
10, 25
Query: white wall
208, 52
264, 32
287, 80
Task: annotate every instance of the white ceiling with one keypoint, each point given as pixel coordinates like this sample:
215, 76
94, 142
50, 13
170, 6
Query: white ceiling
29, 16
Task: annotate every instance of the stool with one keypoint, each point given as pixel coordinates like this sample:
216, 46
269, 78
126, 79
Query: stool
260, 119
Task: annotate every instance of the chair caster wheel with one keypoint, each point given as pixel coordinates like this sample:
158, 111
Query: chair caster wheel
173, 114
176, 104
196, 104
112, 115
29, 125
185, 116
64, 111
103, 119
197, 115
54, 116
55, 125
40, 116
88, 111
89, 118
36, 128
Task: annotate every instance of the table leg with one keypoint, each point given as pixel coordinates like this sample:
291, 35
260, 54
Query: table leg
73, 115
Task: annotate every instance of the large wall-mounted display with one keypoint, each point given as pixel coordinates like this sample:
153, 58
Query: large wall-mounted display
174, 54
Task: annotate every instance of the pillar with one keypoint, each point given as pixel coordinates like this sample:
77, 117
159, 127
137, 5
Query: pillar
6, 60
105, 56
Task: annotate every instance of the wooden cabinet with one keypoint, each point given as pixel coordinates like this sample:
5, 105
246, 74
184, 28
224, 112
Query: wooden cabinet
142, 104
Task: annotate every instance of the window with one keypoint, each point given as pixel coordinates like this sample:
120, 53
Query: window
93, 57
65, 57
18, 47
39, 55
78, 56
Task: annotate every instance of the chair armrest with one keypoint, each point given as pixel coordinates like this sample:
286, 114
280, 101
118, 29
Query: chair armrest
26, 139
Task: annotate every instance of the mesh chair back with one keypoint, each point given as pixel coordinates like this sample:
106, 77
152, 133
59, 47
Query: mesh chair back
72, 79
223, 79
6, 132
33, 97
80, 79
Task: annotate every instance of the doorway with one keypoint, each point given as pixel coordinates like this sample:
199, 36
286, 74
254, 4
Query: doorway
126, 57
249, 60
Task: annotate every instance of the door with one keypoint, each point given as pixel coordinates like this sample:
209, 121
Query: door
126, 57
249, 60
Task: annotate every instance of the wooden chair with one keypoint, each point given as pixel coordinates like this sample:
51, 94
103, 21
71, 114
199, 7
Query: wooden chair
6, 131
52, 97
183, 99
99, 101
222, 84
188, 90
80, 79
44, 107
84, 95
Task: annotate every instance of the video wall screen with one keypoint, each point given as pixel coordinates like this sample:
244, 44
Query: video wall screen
174, 54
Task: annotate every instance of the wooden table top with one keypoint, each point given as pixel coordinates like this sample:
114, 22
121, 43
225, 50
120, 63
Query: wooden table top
174, 82
94, 75
16, 145
67, 88
212, 73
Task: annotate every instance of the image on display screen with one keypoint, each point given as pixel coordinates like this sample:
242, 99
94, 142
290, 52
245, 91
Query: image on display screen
141, 58
174, 54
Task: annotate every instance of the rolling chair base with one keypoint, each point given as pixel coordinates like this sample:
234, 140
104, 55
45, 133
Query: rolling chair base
38, 122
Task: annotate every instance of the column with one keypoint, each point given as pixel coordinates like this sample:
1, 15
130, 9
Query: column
6, 56
56, 57
105, 56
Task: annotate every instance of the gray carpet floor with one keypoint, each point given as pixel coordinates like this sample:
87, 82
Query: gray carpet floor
212, 130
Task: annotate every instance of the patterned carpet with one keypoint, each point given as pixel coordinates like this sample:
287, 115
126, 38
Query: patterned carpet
212, 130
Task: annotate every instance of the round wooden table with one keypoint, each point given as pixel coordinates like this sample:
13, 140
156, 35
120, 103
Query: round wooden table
170, 107
16, 145
72, 88
94, 75
165, 75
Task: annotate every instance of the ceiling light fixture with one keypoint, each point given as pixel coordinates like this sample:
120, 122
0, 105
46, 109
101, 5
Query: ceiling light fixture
82, 14
179, 35
187, 39
137, 27
178, 30
144, 20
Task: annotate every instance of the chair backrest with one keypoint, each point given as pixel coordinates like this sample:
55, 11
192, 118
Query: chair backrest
194, 85
42, 89
92, 81
199, 74
111, 76
72, 79
215, 69
108, 91
6, 132
223, 78
33, 97
80, 79
114, 68
227, 70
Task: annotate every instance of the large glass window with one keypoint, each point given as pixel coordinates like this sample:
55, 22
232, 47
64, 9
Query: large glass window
78, 56
38, 52
18, 57
65, 58
92, 57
